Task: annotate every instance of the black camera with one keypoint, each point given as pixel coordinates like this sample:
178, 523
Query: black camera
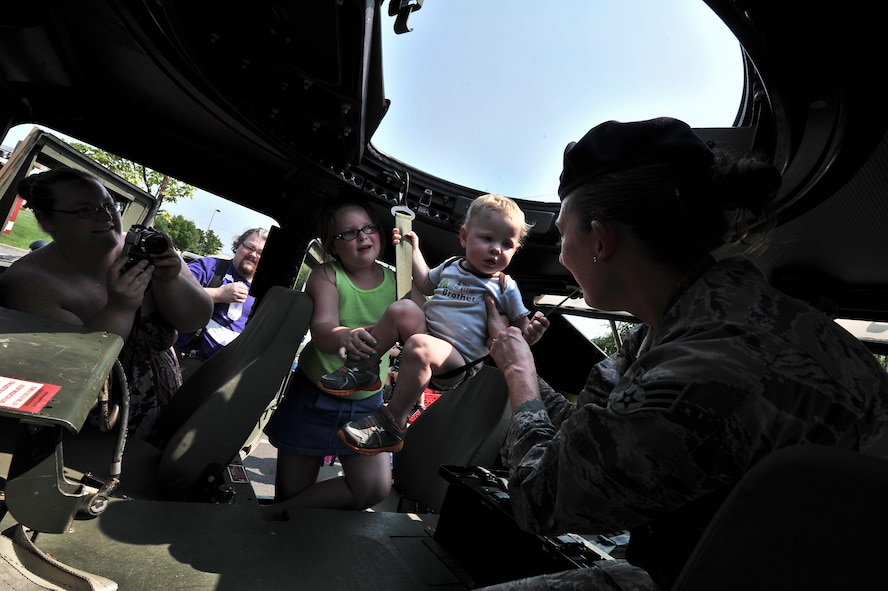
141, 242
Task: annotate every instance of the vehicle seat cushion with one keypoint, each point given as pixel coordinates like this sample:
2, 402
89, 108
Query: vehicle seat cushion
218, 406
804, 517
464, 427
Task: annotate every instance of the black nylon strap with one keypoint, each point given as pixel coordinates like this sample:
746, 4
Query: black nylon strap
218, 275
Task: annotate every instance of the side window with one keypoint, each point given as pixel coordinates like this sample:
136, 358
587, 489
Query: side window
195, 220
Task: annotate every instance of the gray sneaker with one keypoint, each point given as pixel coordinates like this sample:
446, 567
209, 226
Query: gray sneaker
374, 434
348, 380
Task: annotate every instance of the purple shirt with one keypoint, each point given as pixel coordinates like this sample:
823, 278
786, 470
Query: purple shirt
222, 328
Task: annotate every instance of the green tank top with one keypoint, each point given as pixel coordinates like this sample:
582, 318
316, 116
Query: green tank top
357, 307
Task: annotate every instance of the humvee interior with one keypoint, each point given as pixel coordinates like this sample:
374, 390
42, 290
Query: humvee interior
274, 105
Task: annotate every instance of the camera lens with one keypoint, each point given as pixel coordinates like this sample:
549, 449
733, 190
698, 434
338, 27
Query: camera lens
155, 244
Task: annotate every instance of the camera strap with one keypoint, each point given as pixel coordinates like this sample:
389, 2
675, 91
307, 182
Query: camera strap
218, 275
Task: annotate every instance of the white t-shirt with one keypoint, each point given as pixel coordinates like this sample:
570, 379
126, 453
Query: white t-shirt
456, 311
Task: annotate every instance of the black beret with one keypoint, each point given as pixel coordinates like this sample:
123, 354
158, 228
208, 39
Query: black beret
613, 146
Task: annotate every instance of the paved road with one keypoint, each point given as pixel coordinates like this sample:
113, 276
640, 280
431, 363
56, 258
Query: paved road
260, 466
10, 253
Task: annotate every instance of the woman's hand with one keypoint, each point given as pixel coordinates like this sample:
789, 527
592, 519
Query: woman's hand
511, 353
126, 287
496, 322
167, 264
507, 344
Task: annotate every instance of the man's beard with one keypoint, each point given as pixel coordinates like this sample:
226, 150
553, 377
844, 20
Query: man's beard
246, 273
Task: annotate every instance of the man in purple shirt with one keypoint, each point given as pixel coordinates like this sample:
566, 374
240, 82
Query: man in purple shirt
228, 283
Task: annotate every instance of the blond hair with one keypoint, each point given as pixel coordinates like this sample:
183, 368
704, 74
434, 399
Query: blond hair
504, 206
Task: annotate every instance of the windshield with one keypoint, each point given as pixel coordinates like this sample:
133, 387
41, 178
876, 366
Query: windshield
487, 94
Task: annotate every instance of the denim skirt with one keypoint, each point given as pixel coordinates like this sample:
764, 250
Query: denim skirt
307, 419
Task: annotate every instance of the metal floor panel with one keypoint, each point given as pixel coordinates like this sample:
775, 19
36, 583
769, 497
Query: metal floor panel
147, 545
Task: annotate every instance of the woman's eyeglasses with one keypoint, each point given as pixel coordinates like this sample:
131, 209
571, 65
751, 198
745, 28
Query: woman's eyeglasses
91, 212
352, 234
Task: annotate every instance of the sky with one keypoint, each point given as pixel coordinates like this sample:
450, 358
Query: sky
487, 93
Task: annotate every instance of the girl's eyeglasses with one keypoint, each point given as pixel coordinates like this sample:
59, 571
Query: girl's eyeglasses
352, 234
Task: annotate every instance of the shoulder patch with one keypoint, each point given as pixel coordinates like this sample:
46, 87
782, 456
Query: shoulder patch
663, 397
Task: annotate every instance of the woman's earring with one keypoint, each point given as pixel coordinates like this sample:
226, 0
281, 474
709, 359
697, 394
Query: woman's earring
594, 259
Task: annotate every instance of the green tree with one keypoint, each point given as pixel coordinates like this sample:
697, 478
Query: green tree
186, 236
182, 232
162, 186
211, 244
607, 343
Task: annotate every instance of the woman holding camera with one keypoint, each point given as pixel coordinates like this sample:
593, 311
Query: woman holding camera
83, 278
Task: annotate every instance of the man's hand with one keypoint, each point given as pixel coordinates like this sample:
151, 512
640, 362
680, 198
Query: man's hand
232, 292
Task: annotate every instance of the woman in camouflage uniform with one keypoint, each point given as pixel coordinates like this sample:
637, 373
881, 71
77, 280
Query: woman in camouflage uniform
723, 370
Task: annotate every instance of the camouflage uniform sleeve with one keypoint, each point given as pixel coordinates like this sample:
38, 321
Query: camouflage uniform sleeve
734, 371
535, 422
626, 453
685, 419
603, 575
601, 381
